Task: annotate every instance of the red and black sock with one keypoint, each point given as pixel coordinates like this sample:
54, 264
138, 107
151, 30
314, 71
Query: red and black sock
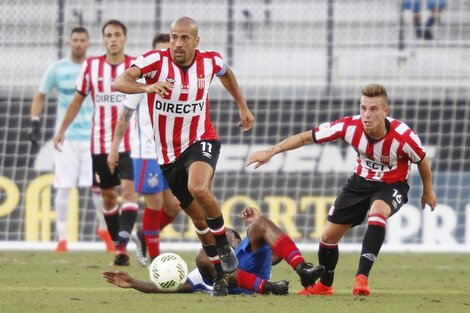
112, 222
216, 225
328, 255
129, 212
211, 252
372, 242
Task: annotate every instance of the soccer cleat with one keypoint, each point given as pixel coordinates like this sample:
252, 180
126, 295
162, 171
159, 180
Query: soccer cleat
220, 287
276, 288
361, 286
141, 247
309, 273
61, 246
104, 235
318, 289
228, 259
428, 35
121, 259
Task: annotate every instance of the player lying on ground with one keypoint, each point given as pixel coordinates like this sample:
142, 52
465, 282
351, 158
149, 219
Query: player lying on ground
265, 245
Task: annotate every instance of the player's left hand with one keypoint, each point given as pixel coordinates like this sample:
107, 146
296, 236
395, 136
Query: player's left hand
430, 199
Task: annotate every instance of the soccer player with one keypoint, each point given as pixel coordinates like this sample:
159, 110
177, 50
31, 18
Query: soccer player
95, 77
148, 177
265, 245
385, 148
72, 167
177, 83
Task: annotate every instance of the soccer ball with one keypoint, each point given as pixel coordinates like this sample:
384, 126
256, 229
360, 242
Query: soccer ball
168, 271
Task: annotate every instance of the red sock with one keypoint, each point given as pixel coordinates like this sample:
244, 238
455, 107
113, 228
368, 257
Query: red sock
250, 281
165, 219
286, 249
151, 228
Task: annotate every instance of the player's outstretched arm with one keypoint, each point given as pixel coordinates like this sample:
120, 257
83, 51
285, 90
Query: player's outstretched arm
231, 85
124, 280
293, 142
70, 114
428, 196
127, 83
120, 130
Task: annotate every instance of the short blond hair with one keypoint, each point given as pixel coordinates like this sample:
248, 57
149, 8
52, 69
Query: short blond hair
375, 90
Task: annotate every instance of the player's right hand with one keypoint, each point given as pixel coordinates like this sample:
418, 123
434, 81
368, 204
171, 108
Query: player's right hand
34, 134
258, 158
113, 159
160, 88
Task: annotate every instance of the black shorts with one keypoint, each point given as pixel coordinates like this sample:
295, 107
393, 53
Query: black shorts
354, 201
176, 173
103, 175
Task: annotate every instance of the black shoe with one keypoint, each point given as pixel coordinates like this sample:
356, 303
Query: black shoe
428, 35
309, 273
228, 259
121, 259
141, 247
220, 287
276, 288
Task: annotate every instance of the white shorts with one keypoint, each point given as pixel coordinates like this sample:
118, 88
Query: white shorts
73, 166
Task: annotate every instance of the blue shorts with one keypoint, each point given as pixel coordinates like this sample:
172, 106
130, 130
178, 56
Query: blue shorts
148, 177
415, 5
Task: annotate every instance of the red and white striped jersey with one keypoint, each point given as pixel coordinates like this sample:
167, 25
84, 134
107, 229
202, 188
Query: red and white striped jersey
387, 159
143, 144
96, 76
181, 117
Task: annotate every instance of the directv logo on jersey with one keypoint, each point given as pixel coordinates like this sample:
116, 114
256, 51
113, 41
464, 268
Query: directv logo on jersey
179, 108
378, 166
102, 98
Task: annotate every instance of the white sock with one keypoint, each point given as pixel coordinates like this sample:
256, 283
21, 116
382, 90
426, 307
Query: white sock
61, 205
98, 202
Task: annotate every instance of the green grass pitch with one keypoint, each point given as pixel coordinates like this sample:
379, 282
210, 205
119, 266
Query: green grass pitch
49, 282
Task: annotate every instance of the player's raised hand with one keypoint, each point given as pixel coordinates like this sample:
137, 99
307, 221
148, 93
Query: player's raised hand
249, 214
258, 158
430, 199
118, 278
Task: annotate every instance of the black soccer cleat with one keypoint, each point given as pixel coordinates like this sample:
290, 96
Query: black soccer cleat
309, 273
220, 287
121, 259
276, 288
228, 259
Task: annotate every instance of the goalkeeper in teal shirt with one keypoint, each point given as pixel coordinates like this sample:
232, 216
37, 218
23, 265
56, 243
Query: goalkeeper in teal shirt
72, 165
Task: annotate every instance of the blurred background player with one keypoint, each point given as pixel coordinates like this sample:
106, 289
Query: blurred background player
148, 178
96, 77
264, 245
186, 141
72, 166
435, 8
378, 188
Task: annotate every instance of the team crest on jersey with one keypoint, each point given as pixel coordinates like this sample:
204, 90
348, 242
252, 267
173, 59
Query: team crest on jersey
385, 159
152, 180
170, 80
